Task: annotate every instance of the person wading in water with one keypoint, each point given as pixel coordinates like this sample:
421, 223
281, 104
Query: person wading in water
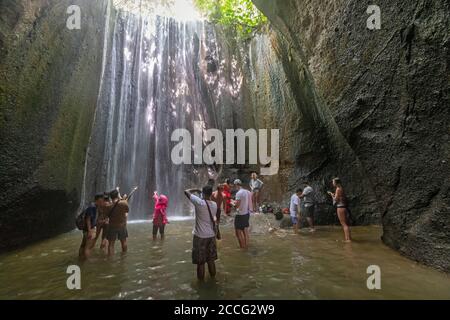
217, 197
340, 201
117, 229
243, 205
294, 209
204, 249
159, 215
227, 197
103, 222
255, 187
307, 198
89, 231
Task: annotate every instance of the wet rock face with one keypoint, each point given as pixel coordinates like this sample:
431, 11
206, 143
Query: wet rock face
385, 95
48, 89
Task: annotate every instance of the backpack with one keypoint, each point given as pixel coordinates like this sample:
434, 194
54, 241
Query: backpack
80, 220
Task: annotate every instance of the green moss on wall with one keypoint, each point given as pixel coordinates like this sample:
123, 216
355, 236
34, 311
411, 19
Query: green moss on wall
48, 93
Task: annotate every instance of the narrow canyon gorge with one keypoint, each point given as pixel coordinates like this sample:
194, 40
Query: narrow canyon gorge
85, 110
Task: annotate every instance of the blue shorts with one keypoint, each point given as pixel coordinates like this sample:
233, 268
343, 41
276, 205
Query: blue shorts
294, 220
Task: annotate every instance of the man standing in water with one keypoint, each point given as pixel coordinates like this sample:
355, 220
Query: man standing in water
90, 217
243, 205
307, 198
117, 229
294, 209
217, 197
103, 222
204, 248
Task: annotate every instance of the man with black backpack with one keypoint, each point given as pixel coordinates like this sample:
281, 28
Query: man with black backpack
87, 222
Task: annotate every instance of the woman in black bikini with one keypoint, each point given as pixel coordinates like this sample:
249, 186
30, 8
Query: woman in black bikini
340, 200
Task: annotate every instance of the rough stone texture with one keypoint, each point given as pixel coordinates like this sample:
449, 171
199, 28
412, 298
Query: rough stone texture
48, 89
311, 147
385, 97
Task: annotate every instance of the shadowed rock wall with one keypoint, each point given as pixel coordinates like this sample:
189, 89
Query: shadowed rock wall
385, 96
48, 90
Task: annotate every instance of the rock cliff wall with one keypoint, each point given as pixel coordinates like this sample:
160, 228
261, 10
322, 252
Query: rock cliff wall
384, 100
48, 90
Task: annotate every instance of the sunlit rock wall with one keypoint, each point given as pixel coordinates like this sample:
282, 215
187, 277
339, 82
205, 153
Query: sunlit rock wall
48, 89
268, 86
283, 96
386, 94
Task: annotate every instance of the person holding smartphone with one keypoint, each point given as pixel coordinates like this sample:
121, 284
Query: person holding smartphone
341, 203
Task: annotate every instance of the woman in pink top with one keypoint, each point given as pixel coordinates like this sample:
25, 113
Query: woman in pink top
159, 214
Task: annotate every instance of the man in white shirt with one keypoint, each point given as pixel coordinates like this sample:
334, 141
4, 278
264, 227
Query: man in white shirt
204, 249
294, 209
307, 198
244, 206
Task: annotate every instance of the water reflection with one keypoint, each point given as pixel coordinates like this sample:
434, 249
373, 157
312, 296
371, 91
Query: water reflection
278, 265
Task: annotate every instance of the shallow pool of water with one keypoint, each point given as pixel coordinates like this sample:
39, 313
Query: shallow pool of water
278, 265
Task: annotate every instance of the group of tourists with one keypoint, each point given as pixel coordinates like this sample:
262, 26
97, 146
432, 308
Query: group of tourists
208, 208
302, 205
106, 217
208, 205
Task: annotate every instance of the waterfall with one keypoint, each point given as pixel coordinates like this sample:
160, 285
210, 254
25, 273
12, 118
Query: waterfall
153, 82
105, 50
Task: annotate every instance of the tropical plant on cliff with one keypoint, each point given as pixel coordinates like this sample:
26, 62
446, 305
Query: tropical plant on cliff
239, 15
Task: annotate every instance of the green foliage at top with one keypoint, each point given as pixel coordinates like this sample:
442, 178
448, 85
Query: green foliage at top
240, 15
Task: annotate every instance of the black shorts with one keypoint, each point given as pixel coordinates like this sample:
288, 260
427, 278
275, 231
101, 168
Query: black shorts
113, 234
242, 221
204, 250
160, 228
308, 211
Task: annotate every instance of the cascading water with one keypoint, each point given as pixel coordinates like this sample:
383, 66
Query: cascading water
151, 85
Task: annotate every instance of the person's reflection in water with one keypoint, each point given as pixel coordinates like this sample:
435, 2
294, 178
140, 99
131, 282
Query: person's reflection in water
160, 277
241, 276
120, 280
350, 260
208, 289
107, 281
